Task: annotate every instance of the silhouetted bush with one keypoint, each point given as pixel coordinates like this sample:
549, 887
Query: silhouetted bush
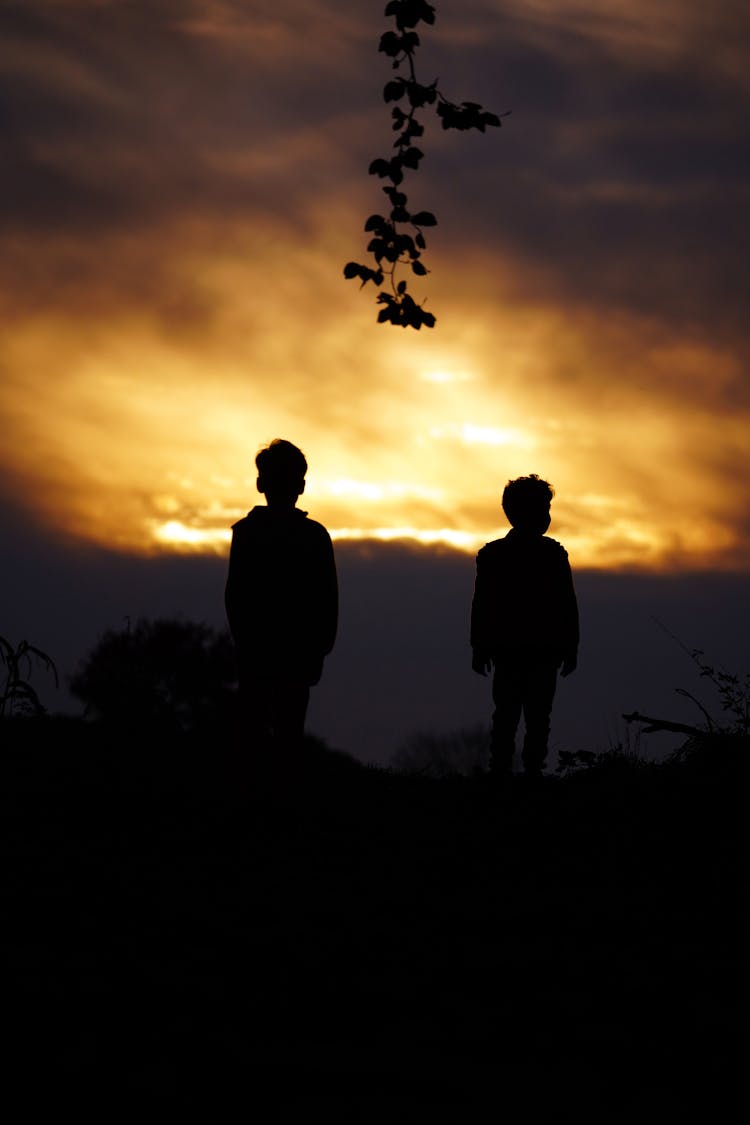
163, 676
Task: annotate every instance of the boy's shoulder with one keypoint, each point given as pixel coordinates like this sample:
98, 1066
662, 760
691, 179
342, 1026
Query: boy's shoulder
261, 522
553, 546
513, 544
320, 529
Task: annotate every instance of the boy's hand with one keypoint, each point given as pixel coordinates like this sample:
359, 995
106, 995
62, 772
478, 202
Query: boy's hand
569, 664
481, 663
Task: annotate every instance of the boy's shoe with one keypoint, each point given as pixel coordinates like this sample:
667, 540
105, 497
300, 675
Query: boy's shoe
499, 779
501, 762
533, 777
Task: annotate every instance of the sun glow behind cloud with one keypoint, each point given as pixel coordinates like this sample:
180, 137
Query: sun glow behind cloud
472, 434
142, 439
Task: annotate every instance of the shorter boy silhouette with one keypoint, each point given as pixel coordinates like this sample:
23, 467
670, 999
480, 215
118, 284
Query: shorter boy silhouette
281, 599
524, 624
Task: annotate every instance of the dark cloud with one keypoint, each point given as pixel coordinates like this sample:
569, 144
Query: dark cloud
621, 177
120, 114
620, 180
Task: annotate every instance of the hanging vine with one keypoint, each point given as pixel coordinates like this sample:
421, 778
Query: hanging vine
398, 239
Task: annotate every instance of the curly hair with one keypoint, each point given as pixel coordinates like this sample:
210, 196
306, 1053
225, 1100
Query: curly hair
526, 496
281, 462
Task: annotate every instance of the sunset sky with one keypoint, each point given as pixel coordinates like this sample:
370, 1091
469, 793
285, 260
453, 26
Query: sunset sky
183, 182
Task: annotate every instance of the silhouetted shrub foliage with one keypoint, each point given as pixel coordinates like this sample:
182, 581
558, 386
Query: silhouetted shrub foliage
171, 675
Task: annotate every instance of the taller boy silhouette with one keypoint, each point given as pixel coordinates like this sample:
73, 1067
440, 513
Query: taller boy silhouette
281, 599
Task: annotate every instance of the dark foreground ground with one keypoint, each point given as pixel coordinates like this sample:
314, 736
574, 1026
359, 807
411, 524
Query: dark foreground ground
363, 947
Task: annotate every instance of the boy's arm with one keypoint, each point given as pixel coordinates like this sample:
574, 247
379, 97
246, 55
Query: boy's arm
569, 664
571, 619
322, 610
233, 587
330, 591
481, 662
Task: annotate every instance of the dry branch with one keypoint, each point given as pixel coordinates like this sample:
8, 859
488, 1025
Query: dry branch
662, 724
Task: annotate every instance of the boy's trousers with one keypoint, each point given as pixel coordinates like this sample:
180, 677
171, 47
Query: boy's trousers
272, 711
523, 683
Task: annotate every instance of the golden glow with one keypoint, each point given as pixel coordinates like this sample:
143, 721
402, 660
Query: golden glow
142, 436
442, 376
176, 534
483, 435
368, 490
444, 536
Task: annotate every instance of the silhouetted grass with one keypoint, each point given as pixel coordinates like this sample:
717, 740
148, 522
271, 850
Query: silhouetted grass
343, 943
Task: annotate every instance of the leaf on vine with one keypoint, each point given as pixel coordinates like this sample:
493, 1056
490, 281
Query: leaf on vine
421, 95
393, 45
364, 273
408, 13
380, 167
403, 310
405, 245
377, 248
424, 219
394, 90
468, 115
411, 157
390, 43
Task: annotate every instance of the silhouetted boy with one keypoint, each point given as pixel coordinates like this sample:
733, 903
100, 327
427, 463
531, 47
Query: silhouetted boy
524, 623
281, 601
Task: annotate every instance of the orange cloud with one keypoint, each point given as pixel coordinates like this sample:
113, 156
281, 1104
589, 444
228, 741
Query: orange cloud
140, 431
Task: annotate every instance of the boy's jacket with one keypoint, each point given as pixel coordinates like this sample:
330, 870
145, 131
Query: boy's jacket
524, 598
281, 592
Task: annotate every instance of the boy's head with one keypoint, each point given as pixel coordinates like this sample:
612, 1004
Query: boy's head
281, 473
526, 503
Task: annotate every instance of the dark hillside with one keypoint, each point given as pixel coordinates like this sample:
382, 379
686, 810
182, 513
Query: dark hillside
362, 946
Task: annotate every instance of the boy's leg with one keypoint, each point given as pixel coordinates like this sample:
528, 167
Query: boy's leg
537, 711
289, 711
252, 718
507, 695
